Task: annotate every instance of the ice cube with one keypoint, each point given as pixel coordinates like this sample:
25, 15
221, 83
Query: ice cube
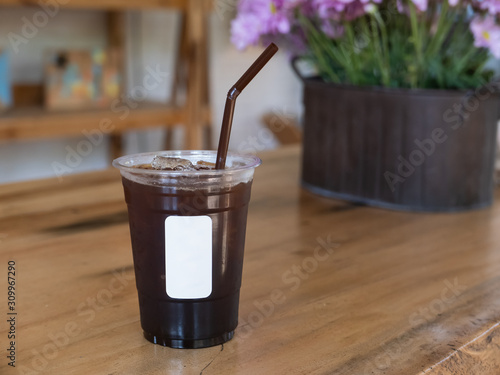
171, 163
204, 165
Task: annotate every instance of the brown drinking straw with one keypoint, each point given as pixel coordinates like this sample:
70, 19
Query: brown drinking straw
227, 119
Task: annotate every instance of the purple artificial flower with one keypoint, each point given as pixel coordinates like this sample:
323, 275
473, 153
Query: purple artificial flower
337, 10
486, 34
355, 9
453, 3
492, 6
330, 9
261, 17
402, 8
278, 21
332, 29
421, 4
246, 30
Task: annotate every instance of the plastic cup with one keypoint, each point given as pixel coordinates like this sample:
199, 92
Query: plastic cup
188, 235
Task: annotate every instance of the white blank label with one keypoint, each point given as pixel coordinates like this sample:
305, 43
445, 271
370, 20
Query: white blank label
188, 256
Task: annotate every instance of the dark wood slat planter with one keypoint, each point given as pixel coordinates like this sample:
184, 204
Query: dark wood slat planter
422, 150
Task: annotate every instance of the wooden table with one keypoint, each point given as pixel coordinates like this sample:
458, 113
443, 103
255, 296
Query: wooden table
328, 287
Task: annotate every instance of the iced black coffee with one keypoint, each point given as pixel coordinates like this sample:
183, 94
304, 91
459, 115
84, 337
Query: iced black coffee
187, 226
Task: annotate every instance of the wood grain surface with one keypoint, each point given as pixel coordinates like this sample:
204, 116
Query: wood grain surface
328, 287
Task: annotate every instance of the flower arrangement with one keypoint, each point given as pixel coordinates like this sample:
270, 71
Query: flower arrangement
392, 43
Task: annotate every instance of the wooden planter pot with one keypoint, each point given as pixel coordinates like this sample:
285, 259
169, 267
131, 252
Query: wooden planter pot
422, 150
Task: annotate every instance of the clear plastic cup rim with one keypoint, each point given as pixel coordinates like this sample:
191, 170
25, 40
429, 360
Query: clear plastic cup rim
126, 163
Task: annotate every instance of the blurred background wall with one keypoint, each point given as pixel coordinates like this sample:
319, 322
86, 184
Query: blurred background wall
151, 41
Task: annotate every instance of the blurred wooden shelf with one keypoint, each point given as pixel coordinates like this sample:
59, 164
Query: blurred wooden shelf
37, 122
190, 77
105, 4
